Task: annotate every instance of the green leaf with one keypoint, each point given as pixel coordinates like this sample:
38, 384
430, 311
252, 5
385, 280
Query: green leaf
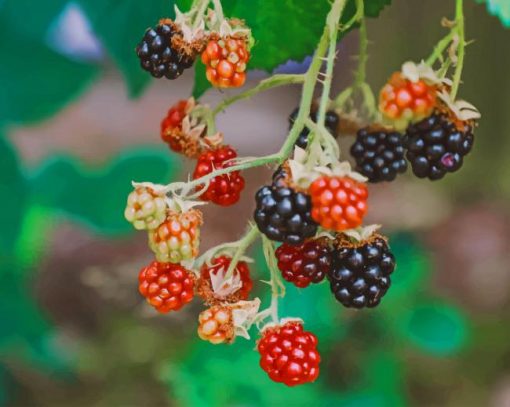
97, 196
500, 9
120, 24
32, 91
31, 18
284, 30
435, 328
233, 378
201, 83
13, 195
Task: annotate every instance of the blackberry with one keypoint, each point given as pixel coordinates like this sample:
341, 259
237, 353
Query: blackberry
435, 146
158, 57
360, 274
379, 154
283, 214
331, 123
304, 264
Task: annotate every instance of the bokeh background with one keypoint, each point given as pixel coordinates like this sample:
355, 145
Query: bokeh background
79, 121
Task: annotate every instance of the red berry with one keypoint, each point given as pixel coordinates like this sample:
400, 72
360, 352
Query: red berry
171, 125
224, 189
166, 286
218, 268
403, 99
225, 60
338, 203
288, 354
304, 264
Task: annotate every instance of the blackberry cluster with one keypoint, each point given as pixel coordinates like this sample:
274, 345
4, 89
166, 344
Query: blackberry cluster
379, 154
283, 214
158, 57
331, 123
435, 146
360, 275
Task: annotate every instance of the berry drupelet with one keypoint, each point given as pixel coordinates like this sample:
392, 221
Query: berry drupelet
436, 146
360, 273
379, 154
158, 56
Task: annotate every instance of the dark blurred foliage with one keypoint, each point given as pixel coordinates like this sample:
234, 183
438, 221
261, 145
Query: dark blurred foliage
74, 330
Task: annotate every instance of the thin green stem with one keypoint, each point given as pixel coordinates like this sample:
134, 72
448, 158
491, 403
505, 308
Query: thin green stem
272, 82
277, 287
199, 7
461, 51
361, 71
332, 27
218, 9
242, 244
439, 49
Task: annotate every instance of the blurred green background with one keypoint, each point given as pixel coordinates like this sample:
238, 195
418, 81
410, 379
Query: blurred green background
79, 120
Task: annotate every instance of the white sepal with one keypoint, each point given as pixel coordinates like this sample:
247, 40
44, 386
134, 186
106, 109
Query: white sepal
221, 286
464, 111
362, 233
414, 72
244, 314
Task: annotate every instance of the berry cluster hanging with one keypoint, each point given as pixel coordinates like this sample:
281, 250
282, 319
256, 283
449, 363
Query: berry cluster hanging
310, 216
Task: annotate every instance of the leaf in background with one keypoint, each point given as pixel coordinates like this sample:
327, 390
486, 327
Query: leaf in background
34, 90
230, 375
201, 84
98, 196
13, 195
436, 328
284, 30
412, 269
30, 18
120, 24
499, 8
37, 222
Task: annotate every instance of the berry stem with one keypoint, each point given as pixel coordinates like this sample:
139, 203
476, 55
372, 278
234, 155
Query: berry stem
277, 286
332, 26
272, 82
309, 80
218, 9
461, 51
242, 244
440, 47
199, 7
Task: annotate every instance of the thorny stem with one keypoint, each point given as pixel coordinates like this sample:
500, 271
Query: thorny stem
309, 80
332, 26
242, 244
272, 82
459, 29
439, 49
218, 9
199, 6
277, 287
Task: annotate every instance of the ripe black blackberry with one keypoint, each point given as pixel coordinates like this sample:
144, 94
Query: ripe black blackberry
379, 154
284, 215
435, 146
360, 273
331, 123
158, 56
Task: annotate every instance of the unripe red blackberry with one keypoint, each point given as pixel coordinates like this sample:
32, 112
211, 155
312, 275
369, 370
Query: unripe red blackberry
360, 273
288, 354
304, 264
437, 145
157, 54
166, 286
379, 154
